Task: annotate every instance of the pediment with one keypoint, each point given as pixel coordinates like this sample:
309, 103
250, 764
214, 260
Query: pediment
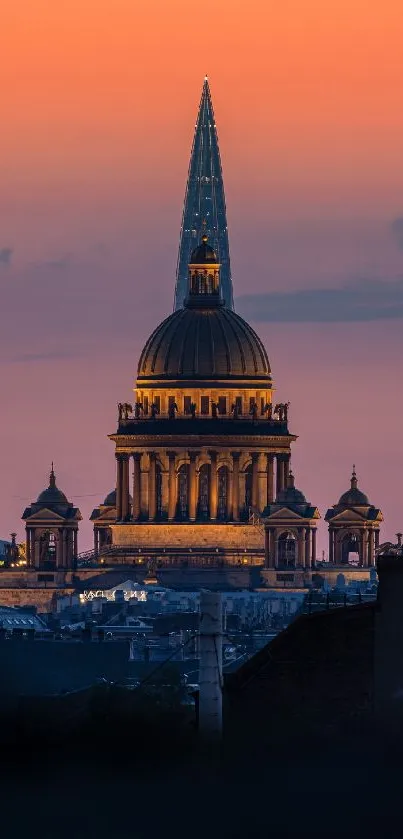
349, 516
284, 513
45, 515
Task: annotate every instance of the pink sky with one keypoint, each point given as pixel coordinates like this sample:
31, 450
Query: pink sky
99, 108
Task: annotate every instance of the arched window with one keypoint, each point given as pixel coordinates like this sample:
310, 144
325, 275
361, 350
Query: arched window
287, 550
158, 489
222, 510
204, 484
350, 549
183, 492
47, 550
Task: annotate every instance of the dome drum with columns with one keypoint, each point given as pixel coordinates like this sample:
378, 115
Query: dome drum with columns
203, 443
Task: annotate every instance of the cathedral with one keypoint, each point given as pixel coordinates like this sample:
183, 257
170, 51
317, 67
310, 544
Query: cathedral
203, 451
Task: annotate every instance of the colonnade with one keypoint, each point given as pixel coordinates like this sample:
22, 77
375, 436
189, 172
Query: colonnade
367, 544
304, 547
252, 484
65, 544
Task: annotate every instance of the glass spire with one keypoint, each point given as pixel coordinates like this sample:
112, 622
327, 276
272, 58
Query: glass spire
204, 210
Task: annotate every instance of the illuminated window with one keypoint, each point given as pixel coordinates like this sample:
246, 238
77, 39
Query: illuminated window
187, 401
238, 404
222, 404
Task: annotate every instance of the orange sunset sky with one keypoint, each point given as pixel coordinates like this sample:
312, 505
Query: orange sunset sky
99, 101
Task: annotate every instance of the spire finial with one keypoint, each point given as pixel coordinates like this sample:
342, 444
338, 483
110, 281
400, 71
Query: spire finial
354, 478
204, 234
290, 480
52, 479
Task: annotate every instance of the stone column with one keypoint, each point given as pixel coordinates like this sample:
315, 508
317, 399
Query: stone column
364, 549
279, 474
331, 546
75, 543
255, 480
286, 469
301, 546
262, 482
275, 541
313, 551
371, 548
152, 487
28, 546
308, 548
192, 485
377, 538
136, 486
171, 486
269, 548
213, 485
270, 478
59, 548
119, 482
235, 485
96, 542
125, 487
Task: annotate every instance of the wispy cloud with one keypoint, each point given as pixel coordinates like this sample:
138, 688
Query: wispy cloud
32, 358
5, 256
359, 300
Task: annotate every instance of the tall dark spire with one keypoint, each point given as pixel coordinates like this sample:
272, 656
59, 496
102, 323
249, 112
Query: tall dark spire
204, 210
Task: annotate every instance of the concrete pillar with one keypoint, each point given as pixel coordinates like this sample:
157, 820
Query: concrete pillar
213, 485
125, 487
255, 480
136, 486
152, 487
313, 551
192, 486
270, 478
210, 665
235, 485
119, 481
171, 486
